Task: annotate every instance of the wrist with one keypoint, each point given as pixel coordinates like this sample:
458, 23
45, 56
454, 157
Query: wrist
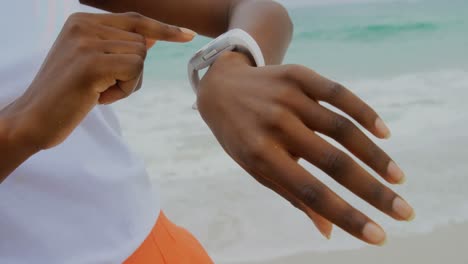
16, 132
228, 61
234, 57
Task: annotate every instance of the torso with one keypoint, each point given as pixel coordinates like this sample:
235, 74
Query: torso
89, 200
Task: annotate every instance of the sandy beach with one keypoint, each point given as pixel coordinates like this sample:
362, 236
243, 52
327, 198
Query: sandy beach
447, 245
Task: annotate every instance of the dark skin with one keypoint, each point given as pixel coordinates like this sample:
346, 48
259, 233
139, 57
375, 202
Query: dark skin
265, 118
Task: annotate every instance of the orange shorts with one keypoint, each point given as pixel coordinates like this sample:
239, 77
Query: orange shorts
169, 244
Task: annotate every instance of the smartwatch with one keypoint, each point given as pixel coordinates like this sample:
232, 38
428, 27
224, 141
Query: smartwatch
233, 40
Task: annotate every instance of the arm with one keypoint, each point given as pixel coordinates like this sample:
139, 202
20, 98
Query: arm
268, 22
79, 72
266, 118
13, 148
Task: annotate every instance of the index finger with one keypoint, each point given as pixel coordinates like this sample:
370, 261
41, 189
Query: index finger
320, 88
145, 26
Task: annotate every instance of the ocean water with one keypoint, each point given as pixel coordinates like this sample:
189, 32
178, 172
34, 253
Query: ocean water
408, 59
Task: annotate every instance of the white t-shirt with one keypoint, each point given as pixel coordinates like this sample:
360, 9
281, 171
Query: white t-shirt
89, 200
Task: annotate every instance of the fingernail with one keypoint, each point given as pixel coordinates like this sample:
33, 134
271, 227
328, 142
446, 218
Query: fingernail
395, 173
188, 31
403, 209
382, 129
374, 234
326, 235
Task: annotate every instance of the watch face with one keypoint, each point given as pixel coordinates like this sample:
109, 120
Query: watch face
235, 39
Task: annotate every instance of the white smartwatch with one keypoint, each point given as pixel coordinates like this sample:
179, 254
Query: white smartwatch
233, 40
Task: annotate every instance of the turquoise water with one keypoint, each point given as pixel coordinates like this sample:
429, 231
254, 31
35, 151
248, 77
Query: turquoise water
381, 39
358, 40
407, 59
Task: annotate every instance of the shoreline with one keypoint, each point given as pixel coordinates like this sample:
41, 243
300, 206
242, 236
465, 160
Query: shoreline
444, 245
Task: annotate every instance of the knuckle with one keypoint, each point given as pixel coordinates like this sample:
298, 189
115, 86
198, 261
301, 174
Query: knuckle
257, 152
86, 62
292, 71
142, 46
140, 38
352, 220
334, 163
126, 89
296, 204
374, 152
310, 195
134, 20
166, 30
76, 16
89, 61
138, 63
377, 193
381, 197
284, 93
82, 45
75, 26
134, 15
364, 111
366, 115
341, 127
143, 52
166, 27
277, 115
140, 49
377, 157
335, 90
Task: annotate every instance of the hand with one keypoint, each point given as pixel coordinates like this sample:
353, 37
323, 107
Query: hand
265, 118
97, 58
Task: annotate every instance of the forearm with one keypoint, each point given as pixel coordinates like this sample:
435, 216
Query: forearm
267, 21
12, 158
14, 150
269, 24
